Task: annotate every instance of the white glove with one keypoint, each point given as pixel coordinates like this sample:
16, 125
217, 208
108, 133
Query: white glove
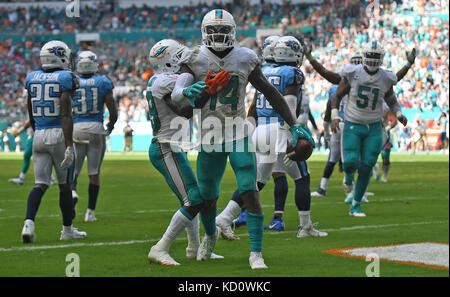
69, 156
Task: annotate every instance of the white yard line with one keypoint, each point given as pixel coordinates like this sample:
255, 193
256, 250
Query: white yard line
111, 243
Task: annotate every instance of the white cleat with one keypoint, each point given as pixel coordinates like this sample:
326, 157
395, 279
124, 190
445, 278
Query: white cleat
191, 253
384, 179
226, 231
72, 234
16, 180
28, 235
369, 194
90, 216
310, 231
256, 261
207, 246
161, 257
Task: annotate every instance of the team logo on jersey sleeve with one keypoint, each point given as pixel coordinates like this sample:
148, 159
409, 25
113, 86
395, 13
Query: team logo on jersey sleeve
57, 51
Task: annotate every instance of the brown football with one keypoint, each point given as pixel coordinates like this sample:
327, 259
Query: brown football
303, 150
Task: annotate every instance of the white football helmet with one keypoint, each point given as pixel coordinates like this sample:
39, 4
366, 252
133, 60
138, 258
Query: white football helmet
373, 54
56, 54
267, 47
288, 49
87, 63
356, 58
165, 55
218, 30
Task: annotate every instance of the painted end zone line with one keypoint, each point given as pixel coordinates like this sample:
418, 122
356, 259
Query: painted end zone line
112, 243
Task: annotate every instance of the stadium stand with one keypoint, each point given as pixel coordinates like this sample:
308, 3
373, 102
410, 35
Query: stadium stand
125, 30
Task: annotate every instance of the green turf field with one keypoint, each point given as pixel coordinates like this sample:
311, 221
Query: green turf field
135, 206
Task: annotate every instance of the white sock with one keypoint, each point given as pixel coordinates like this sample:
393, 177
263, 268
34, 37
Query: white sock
67, 228
324, 183
193, 232
229, 212
305, 219
22, 175
177, 224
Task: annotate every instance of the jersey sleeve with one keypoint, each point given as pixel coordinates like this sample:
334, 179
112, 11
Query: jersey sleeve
391, 78
68, 81
248, 58
27, 81
107, 84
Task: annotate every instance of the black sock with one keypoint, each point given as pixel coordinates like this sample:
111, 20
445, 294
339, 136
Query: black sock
67, 207
93, 194
237, 198
303, 194
34, 200
328, 169
280, 192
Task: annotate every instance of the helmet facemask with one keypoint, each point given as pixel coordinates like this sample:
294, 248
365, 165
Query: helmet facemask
219, 37
372, 61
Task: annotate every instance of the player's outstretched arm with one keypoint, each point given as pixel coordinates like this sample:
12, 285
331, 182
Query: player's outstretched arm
392, 102
111, 105
411, 57
342, 90
312, 120
392, 119
331, 76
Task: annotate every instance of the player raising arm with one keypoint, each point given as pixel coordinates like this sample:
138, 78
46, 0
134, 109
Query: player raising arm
362, 133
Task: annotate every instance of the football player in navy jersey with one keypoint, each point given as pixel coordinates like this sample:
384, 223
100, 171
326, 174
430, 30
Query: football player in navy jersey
88, 132
50, 93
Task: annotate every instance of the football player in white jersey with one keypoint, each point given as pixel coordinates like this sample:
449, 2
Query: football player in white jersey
167, 151
225, 113
366, 85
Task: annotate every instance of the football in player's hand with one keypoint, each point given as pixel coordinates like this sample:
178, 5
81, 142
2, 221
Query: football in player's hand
303, 150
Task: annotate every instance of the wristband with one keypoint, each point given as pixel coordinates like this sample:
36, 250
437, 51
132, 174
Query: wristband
335, 114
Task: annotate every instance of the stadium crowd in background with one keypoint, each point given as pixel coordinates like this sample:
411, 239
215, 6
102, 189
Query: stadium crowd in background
335, 28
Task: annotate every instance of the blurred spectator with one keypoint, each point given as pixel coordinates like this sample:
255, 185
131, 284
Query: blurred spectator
128, 134
443, 123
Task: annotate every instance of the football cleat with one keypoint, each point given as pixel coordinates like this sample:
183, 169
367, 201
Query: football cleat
72, 234
16, 180
241, 219
384, 179
225, 230
369, 194
276, 224
207, 246
28, 235
319, 193
90, 215
256, 261
355, 211
310, 231
161, 257
191, 253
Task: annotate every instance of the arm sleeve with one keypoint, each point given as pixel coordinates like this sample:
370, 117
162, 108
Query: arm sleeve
184, 80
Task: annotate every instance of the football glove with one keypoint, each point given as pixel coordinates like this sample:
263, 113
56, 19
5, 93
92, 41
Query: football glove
109, 128
69, 156
301, 131
219, 81
411, 56
194, 91
307, 48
